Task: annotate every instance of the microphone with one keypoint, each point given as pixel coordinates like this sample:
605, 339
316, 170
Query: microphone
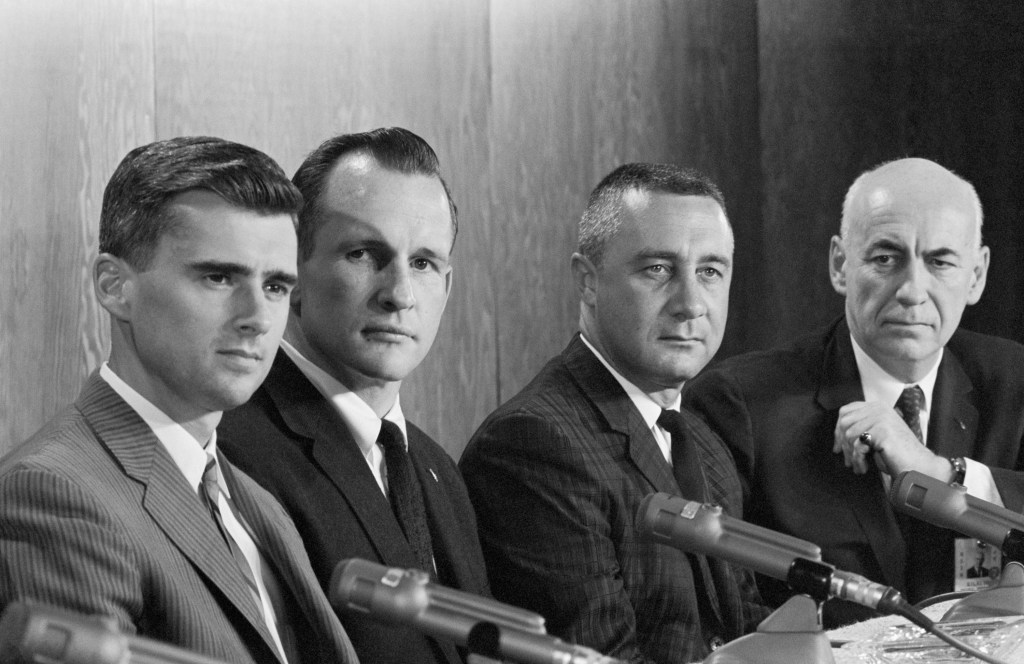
31, 632
948, 506
701, 528
484, 626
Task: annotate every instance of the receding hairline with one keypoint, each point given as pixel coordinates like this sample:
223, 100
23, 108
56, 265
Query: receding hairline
871, 181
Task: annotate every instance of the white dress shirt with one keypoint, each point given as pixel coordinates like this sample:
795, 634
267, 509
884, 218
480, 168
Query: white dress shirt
362, 422
190, 457
878, 385
648, 407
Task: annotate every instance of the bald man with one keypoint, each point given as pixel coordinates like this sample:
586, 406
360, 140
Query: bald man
820, 427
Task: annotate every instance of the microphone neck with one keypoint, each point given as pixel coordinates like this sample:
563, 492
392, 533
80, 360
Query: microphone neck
811, 577
1013, 546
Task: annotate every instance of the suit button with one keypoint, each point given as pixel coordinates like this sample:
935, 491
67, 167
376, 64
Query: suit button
716, 642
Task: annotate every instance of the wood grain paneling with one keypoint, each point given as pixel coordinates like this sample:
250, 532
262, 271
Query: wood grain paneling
77, 87
847, 85
285, 76
528, 103
580, 87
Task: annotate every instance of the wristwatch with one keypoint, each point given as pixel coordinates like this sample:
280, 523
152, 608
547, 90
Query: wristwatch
959, 469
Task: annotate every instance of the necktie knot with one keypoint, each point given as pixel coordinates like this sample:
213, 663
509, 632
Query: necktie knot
390, 437
686, 458
909, 406
211, 485
671, 421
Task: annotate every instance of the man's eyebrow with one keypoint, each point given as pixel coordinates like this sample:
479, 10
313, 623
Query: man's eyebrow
710, 257
885, 243
224, 267
227, 267
280, 276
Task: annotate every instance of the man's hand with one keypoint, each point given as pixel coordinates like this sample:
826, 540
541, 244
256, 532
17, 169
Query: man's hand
896, 448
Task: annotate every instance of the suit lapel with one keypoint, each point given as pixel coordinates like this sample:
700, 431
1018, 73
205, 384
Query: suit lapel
953, 422
174, 506
839, 385
309, 415
268, 523
620, 414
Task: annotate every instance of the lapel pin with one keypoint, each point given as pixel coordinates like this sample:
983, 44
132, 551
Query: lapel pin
963, 427
434, 474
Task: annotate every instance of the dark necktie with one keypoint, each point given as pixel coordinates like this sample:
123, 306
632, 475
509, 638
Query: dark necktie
909, 406
688, 470
686, 461
406, 495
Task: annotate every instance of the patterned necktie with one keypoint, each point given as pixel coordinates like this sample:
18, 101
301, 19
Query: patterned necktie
406, 495
210, 489
686, 462
909, 406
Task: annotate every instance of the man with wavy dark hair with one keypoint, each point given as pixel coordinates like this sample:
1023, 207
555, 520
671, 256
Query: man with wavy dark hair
326, 433
122, 505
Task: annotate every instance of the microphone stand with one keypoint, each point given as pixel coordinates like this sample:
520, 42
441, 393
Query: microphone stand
792, 633
1006, 598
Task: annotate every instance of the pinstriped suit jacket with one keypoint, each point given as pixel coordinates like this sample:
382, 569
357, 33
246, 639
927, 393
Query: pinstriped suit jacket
95, 517
556, 476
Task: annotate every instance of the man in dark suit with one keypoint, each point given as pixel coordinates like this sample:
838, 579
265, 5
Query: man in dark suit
557, 473
375, 237
820, 427
121, 506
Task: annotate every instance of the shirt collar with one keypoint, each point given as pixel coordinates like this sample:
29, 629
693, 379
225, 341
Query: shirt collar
649, 409
186, 452
362, 422
879, 385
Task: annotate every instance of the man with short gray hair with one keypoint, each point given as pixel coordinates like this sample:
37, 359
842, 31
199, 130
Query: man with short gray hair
819, 428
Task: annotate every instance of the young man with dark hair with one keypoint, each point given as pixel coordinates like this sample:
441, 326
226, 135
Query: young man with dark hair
122, 505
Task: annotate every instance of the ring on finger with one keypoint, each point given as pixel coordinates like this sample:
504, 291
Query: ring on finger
866, 438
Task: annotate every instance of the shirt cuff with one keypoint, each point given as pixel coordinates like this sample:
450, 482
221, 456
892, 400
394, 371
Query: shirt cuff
980, 484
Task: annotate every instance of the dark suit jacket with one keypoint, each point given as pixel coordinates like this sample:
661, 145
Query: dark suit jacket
293, 442
777, 410
556, 476
95, 517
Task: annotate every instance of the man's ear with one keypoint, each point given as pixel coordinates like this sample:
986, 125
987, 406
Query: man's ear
448, 283
584, 275
113, 282
978, 276
295, 300
837, 265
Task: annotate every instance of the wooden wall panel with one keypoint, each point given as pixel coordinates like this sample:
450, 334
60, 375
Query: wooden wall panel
528, 104
580, 87
847, 85
77, 94
285, 76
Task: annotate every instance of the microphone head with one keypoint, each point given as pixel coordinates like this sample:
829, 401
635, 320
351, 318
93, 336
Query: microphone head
700, 528
940, 504
387, 592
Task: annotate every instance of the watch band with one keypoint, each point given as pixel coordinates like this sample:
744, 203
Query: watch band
959, 469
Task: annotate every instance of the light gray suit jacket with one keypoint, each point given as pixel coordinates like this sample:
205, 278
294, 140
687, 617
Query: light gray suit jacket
96, 517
